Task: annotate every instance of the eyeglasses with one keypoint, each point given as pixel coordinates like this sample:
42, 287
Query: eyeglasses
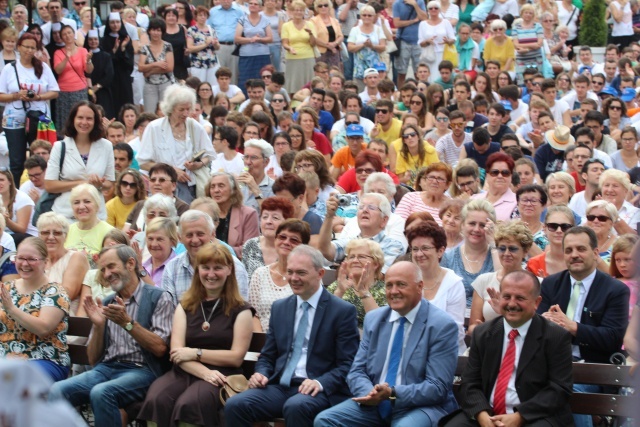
601, 218
304, 166
530, 202
253, 158
595, 82
251, 133
160, 180
437, 179
615, 107
23, 259
281, 144
351, 123
128, 184
80, 3
54, 233
204, 89
511, 249
456, 125
276, 100
367, 171
434, 8
367, 15
423, 249
355, 138
536, 83
553, 226
495, 172
266, 76
323, 5
295, 136
381, 111
359, 257
409, 135
462, 185
370, 208
442, 119
416, 102
39, 174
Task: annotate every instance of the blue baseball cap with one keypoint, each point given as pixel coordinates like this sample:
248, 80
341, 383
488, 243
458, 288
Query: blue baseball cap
608, 90
506, 104
355, 130
380, 66
628, 94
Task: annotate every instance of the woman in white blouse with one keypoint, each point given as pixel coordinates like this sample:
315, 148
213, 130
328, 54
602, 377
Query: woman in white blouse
435, 32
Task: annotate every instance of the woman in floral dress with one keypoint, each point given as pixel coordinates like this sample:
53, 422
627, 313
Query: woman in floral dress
202, 43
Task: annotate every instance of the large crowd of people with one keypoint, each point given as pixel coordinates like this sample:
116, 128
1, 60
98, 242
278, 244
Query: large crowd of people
187, 177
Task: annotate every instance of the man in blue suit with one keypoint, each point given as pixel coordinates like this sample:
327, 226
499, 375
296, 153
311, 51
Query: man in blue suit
312, 340
403, 372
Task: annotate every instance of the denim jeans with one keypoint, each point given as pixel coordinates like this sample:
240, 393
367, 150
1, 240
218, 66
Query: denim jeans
585, 420
17, 144
275, 49
352, 414
348, 67
107, 387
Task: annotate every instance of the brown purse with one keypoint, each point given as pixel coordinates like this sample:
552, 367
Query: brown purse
235, 384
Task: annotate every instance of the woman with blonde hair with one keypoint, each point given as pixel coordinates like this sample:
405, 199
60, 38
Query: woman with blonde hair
559, 219
414, 155
329, 33
87, 233
212, 329
601, 215
561, 187
130, 190
434, 33
499, 47
615, 184
366, 41
298, 39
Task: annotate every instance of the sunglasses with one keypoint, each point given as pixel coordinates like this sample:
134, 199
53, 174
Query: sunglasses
442, 119
81, 3
381, 111
351, 123
128, 184
601, 218
495, 172
511, 249
553, 226
456, 125
266, 76
595, 82
615, 107
277, 100
409, 135
323, 5
416, 102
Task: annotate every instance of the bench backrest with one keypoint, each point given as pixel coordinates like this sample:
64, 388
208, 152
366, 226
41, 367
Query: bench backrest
79, 327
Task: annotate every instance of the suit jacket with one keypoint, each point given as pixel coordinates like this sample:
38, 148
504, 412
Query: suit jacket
544, 378
604, 318
428, 364
332, 344
243, 225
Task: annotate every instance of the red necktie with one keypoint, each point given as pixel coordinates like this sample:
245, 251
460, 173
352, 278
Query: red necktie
506, 369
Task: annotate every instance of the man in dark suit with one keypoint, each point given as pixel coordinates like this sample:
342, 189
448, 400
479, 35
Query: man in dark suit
312, 340
517, 378
414, 387
591, 305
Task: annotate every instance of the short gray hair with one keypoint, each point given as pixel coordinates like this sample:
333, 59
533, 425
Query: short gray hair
174, 95
608, 207
160, 201
52, 218
262, 145
498, 23
383, 178
317, 259
383, 203
193, 215
89, 189
19, 6
124, 253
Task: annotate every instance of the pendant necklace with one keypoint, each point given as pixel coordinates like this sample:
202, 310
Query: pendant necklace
206, 325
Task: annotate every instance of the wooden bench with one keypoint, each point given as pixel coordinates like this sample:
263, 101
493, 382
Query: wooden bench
611, 377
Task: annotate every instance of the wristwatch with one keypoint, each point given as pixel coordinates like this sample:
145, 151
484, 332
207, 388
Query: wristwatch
198, 354
392, 397
129, 326
143, 273
365, 296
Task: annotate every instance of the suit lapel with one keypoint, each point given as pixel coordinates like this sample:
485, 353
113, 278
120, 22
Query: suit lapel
317, 319
493, 356
290, 318
417, 329
594, 294
531, 344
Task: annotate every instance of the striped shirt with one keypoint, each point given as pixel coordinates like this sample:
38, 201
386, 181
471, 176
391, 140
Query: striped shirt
448, 151
412, 202
122, 345
527, 35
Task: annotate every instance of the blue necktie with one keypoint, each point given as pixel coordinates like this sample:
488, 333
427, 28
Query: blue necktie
298, 342
384, 408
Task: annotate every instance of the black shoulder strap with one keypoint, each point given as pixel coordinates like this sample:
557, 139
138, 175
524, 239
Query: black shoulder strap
62, 154
15, 68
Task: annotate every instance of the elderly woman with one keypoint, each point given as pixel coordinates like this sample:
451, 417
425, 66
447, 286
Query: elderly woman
161, 236
130, 189
156, 64
177, 140
527, 37
34, 315
158, 205
499, 167
238, 223
513, 241
477, 254
558, 221
360, 277
88, 159
435, 183
450, 215
499, 47
433, 34
601, 215
87, 233
366, 41
253, 34
70, 64
62, 266
202, 43
627, 158
261, 250
298, 39
414, 154
615, 185
207, 344
269, 283
561, 187
329, 33
532, 200
442, 287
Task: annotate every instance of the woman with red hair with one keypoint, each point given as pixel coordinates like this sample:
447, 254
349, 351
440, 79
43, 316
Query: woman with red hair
499, 169
431, 185
367, 162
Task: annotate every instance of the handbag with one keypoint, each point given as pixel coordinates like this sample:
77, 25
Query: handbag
344, 53
32, 118
202, 175
235, 384
391, 46
450, 54
236, 50
428, 53
45, 203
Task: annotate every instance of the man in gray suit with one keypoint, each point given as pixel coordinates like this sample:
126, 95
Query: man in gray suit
403, 371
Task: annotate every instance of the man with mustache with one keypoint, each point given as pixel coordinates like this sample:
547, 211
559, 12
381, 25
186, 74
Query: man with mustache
591, 305
129, 341
520, 366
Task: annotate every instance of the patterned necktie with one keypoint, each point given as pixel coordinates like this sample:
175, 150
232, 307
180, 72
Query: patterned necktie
506, 369
384, 408
298, 342
573, 302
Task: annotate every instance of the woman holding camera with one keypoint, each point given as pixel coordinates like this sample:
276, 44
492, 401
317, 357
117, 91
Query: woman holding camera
18, 100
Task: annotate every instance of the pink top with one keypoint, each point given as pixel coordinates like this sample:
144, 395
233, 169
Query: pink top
412, 202
72, 78
504, 206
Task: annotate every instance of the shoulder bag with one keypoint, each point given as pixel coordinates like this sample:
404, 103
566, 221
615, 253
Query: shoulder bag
33, 117
233, 385
45, 203
202, 175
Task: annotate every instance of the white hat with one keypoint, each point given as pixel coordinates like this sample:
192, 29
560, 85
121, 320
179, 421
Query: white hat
559, 138
93, 34
370, 72
114, 16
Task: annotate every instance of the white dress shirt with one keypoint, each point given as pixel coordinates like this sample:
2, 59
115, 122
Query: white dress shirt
301, 367
584, 291
394, 318
512, 398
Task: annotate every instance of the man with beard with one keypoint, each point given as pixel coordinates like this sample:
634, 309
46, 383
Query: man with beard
129, 341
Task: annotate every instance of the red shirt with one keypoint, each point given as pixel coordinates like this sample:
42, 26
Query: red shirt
322, 143
579, 187
348, 183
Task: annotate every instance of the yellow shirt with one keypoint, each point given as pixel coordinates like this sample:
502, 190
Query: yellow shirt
392, 133
298, 40
412, 163
24, 178
500, 53
89, 241
117, 212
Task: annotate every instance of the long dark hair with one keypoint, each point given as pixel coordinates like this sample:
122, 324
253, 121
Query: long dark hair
188, 14
37, 64
32, 27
